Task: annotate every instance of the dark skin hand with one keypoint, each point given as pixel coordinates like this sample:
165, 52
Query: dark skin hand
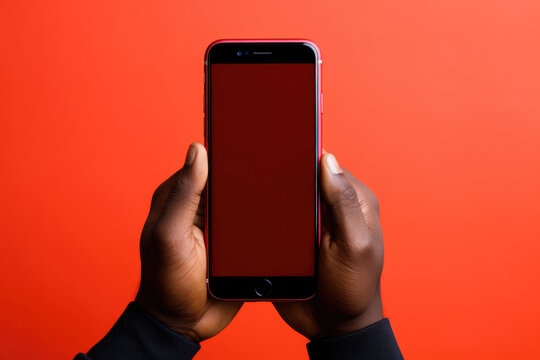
173, 256
350, 260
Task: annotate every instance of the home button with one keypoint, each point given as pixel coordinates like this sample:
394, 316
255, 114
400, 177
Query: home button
263, 287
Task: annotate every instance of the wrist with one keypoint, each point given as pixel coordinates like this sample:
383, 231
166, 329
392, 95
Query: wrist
172, 322
372, 314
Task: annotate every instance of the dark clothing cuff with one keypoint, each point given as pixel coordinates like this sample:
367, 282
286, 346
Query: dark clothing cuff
376, 341
139, 335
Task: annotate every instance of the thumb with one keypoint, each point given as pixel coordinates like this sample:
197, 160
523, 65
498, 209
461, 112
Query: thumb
183, 200
347, 222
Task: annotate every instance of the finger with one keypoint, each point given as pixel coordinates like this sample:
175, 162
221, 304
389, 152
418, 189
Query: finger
298, 314
225, 311
159, 198
342, 202
181, 207
368, 201
200, 216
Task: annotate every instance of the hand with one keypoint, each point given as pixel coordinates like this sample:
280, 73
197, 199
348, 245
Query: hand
350, 260
173, 256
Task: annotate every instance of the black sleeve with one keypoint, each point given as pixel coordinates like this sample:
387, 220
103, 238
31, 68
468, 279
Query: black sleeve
139, 335
374, 342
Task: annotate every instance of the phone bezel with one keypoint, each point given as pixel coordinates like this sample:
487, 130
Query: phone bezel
274, 51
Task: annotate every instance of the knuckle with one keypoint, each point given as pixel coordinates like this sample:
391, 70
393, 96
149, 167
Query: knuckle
357, 250
369, 205
348, 197
180, 186
182, 192
365, 248
361, 250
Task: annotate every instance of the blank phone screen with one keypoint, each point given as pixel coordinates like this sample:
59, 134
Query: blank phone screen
263, 169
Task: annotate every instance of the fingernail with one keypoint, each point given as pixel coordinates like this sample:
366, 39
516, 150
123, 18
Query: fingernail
333, 164
192, 151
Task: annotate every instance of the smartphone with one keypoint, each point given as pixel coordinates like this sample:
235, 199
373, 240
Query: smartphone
263, 108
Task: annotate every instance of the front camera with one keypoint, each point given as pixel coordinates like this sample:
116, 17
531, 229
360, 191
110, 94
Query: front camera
239, 53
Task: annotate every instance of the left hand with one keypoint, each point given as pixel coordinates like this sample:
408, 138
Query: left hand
173, 256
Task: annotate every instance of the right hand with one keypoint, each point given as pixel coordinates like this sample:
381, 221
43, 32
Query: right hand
350, 260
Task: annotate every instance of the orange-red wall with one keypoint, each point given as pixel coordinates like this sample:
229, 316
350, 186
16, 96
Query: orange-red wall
433, 104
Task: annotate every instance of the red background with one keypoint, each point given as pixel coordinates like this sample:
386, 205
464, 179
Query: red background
263, 166
433, 104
